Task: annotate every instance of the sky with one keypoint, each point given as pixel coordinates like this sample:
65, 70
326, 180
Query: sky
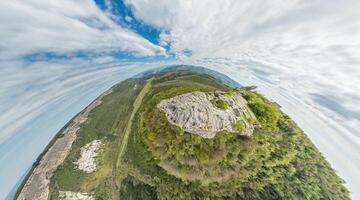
56, 56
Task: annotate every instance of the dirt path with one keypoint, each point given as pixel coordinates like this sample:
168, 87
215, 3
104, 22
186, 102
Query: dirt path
136, 104
127, 132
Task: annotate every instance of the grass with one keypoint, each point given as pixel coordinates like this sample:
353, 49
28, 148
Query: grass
136, 106
145, 157
238, 125
185, 166
219, 103
106, 122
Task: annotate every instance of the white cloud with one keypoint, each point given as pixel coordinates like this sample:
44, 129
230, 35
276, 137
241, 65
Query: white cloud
305, 52
237, 28
336, 137
128, 18
309, 46
37, 99
64, 26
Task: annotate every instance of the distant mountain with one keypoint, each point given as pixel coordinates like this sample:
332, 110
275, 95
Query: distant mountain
191, 68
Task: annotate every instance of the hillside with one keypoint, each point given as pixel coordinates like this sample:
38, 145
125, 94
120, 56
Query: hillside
186, 135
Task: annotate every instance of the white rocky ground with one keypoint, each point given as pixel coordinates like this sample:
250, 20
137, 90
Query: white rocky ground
68, 195
87, 162
195, 113
37, 186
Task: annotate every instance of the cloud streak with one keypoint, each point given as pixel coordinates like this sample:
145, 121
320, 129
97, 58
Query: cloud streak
65, 27
302, 54
35, 103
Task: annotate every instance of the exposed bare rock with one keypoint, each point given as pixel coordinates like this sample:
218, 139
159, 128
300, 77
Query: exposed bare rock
88, 154
37, 185
68, 195
195, 113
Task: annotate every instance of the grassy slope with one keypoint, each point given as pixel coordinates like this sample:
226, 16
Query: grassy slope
286, 164
137, 156
106, 122
136, 105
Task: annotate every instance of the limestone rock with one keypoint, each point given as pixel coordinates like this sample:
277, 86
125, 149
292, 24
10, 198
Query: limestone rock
68, 195
195, 113
89, 152
37, 186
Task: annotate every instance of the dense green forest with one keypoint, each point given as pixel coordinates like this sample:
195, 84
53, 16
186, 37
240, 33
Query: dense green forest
161, 161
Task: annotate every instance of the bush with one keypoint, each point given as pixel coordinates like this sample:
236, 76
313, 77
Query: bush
239, 126
267, 113
219, 103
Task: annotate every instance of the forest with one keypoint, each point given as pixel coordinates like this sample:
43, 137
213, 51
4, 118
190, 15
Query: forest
277, 162
162, 161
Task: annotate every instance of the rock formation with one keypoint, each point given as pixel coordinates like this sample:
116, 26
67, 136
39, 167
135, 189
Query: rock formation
89, 152
68, 195
196, 113
37, 185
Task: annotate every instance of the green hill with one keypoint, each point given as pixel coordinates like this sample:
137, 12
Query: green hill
143, 156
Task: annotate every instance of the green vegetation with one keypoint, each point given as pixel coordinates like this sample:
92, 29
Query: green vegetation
232, 91
161, 161
131, 187
106, 122
266, 112
219, 103
136, 105
276, 162
188, 156
239, 126
252, 120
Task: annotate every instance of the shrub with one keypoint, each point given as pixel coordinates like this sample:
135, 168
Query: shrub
238, 125
151, 136
219, 103
266, 112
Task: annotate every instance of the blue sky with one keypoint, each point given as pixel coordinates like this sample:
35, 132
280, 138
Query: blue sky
123, 15
57, 56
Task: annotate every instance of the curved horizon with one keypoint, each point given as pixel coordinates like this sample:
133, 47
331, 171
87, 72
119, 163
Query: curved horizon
56, 57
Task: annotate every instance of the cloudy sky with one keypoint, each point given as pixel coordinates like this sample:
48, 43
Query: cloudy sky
56, 56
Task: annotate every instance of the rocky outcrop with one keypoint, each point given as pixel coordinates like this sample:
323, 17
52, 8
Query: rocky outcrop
68, 195
196, 113
37, 185
88, 154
